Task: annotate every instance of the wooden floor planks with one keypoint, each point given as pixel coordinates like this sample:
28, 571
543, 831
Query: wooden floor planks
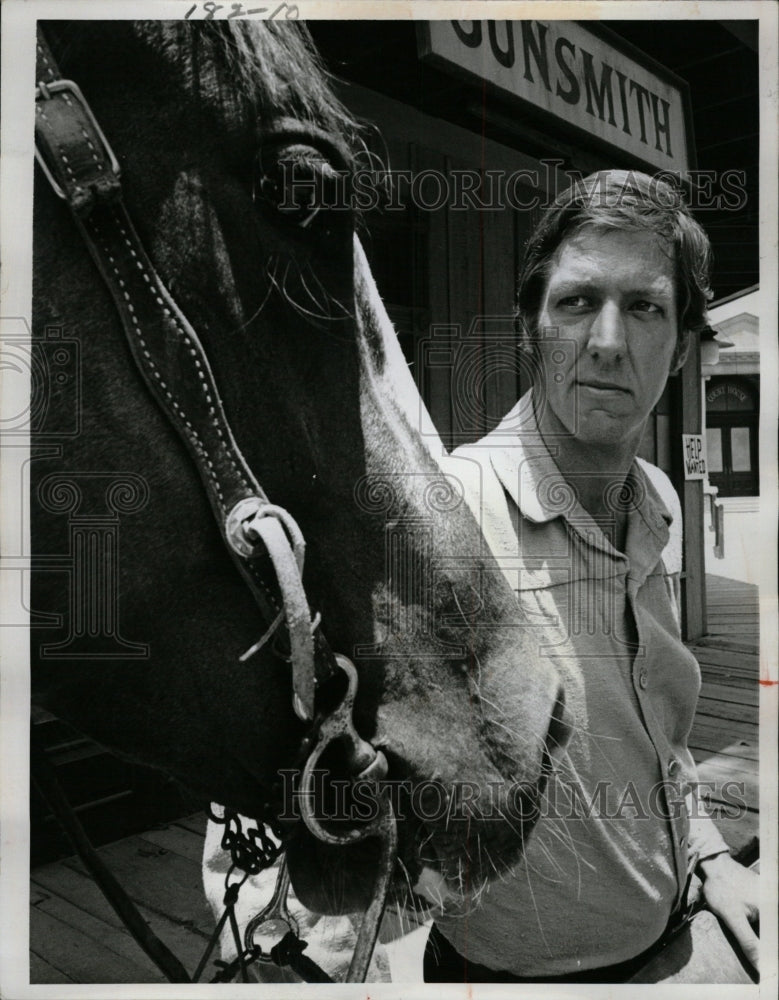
735, 740
84, 958
126, 955
177, 840
42, 972
717, 708
64, 892
149, 872
76, 937
724, 737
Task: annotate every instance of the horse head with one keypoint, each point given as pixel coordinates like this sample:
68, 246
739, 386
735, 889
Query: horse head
209, 122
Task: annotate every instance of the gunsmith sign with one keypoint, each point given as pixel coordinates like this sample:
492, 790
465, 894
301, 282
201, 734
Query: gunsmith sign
576, 76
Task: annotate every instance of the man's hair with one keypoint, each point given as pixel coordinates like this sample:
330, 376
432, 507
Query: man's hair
624, 200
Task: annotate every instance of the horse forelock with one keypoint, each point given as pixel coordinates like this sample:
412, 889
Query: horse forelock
272, 66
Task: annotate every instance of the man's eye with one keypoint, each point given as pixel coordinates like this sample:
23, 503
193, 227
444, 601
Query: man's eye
574, 302
646, 307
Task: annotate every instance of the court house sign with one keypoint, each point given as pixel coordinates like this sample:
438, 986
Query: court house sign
575, 75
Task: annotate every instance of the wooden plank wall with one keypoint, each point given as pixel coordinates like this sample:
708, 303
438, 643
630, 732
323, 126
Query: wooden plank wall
474, 260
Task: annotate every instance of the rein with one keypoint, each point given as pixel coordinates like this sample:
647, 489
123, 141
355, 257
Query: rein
81, 168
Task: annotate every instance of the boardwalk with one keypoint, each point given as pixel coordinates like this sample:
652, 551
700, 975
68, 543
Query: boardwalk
724, 738
76, 937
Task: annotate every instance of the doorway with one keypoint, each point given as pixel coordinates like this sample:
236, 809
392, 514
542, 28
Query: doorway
732, 415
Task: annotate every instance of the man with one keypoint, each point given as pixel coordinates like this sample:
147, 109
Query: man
614, 283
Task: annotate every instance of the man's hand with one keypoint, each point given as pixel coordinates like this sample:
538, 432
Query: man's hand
733, 893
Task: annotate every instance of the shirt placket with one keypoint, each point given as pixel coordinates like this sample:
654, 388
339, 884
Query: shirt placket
645, 675
647, 536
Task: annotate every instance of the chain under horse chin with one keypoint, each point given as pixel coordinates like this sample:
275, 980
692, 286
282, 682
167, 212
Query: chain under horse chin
213, 593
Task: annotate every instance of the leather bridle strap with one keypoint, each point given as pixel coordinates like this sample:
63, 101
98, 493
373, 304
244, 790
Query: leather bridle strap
82, 169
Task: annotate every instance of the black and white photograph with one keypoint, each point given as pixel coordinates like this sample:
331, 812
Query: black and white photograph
389, 498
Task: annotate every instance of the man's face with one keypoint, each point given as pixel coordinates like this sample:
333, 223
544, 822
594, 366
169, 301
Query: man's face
611, 296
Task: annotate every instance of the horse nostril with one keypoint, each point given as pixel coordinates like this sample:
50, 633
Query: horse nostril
560, 728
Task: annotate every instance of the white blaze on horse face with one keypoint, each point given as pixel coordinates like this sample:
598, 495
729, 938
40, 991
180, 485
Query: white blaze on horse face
386, 361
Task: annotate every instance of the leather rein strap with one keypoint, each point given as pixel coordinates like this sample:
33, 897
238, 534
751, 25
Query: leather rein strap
78, 162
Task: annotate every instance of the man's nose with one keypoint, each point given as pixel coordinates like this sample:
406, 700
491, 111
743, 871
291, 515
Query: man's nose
607, 333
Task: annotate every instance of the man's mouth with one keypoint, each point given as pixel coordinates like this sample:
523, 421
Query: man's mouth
602, 386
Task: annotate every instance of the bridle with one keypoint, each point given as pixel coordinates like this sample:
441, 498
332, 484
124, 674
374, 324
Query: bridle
263, 540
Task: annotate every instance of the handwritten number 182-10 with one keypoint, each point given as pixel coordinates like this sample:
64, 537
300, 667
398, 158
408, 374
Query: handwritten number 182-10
212, 10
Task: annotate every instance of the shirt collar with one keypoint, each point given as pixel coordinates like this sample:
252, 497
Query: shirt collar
526, 468
524, 464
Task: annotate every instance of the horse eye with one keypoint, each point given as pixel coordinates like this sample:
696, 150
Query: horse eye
298, 182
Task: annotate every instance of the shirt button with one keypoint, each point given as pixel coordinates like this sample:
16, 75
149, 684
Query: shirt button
673, 766
643, 680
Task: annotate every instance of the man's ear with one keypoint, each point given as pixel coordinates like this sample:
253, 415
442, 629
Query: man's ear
681, 351
527, 341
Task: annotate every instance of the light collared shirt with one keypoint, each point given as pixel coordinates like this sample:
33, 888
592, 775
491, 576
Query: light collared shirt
620, 826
